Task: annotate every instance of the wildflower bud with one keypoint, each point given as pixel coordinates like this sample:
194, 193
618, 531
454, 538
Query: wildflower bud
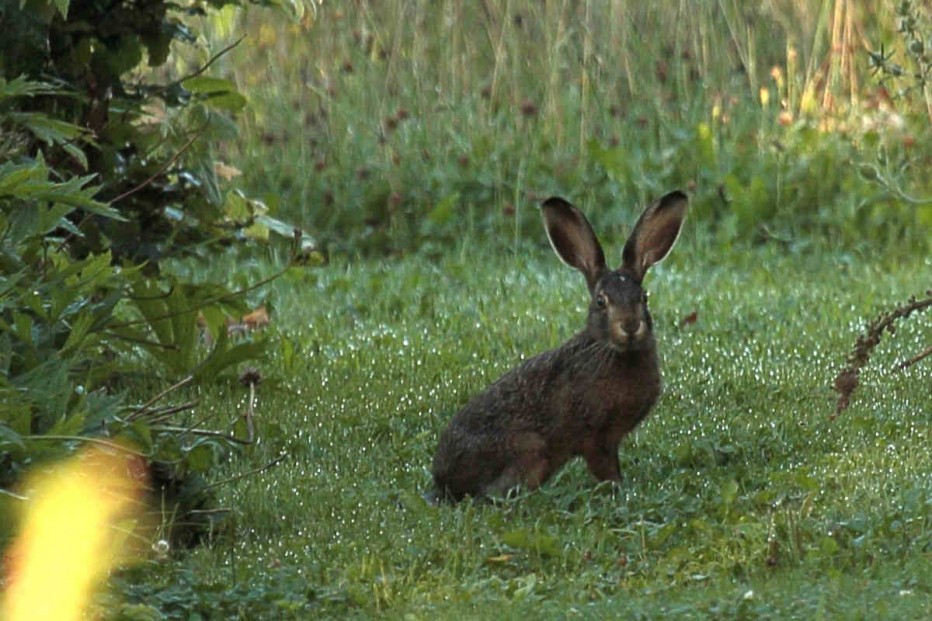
869, 172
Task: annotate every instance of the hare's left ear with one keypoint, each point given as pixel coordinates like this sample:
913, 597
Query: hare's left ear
655, 233
573, 239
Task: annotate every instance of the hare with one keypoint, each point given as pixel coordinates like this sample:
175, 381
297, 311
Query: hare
581, 398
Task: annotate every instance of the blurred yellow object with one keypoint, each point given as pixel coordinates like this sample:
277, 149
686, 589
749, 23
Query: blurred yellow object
68, 541
764, 96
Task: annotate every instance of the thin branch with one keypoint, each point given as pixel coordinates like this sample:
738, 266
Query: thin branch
174, 158
163, 414
209, 433
12, 495
217, 511
243, 475
192, 427
210, 61
924, 354
148, 404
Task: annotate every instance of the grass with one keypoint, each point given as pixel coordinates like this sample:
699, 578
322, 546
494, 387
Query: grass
414, 140
741, 498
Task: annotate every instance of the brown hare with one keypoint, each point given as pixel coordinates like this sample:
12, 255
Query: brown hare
581, 398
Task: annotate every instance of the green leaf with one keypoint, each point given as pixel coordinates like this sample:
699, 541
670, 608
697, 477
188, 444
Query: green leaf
443, 211
30, 182
50, 131
47, 387
828, 546
79, 331
222, 358
69, 425
216, 92
172, 318
307, 244
22, 328
16, 413
230, 102
21, 87
138, 435
207, 85
77, 153
289, 352
242, 211
200, 457
62, 6
534, 541
13, 177
729, 492
51, 218
9, 437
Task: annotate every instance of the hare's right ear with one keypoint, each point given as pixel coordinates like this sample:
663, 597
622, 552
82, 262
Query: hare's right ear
573, 239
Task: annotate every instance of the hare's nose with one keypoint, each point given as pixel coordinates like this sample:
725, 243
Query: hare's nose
629, 331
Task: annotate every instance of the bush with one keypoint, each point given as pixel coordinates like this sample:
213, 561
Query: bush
104, 176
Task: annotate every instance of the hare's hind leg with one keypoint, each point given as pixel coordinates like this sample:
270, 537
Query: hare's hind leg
529, 465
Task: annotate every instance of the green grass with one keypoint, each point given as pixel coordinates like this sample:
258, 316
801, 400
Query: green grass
741, 499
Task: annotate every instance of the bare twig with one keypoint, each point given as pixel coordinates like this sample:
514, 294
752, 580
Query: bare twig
908, 363
209, 433
158, 173
163, 414
248, 473
141, 411
13, 495
207, 65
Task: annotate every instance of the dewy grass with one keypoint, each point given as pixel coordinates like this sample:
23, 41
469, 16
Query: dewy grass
741, 497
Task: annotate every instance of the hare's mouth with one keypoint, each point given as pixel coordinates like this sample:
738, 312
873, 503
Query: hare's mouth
628, 339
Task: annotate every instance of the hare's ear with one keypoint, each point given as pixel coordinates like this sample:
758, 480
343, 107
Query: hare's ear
655, 233
573, 239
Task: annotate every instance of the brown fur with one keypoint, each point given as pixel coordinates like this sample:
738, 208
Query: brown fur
581, 398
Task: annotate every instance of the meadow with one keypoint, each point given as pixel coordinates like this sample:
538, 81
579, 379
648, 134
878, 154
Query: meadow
742, 496
414, 140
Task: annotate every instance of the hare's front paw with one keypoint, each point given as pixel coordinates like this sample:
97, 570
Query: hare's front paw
603, 463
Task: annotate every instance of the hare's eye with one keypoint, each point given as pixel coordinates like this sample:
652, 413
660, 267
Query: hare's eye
600, 301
